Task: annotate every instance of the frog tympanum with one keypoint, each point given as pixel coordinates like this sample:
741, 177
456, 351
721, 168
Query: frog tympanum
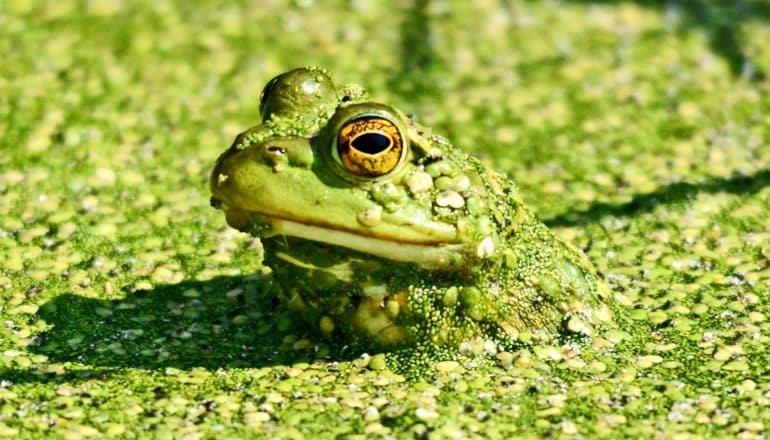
380, 231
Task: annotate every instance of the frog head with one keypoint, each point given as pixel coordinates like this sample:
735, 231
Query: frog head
372, 223
327, 164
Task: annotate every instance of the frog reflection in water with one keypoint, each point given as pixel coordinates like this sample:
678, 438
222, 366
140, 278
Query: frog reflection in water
381, 232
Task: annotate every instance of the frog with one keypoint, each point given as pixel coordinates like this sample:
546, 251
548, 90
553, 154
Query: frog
382, 233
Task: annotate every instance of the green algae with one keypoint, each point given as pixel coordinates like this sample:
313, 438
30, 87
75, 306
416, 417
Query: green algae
128, 307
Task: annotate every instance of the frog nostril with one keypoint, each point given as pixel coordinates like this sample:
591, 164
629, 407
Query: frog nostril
276, 156
275, 150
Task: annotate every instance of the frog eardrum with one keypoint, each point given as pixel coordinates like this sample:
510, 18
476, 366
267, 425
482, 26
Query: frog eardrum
369, 146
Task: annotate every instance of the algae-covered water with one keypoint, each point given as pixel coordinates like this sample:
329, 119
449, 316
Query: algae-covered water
638, 130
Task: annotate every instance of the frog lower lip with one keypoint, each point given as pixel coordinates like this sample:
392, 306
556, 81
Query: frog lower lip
423, 255
435, 256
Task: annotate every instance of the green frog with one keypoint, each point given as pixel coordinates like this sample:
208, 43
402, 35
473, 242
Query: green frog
381, 232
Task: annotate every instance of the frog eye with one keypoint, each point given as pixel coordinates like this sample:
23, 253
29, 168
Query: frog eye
369, 146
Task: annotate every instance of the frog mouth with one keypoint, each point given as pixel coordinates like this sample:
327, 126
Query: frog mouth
436, 255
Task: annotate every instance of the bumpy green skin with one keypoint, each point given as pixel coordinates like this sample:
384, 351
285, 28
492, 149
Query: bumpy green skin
497, 273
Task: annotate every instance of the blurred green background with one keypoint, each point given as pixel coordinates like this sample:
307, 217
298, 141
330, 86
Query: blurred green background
638, 130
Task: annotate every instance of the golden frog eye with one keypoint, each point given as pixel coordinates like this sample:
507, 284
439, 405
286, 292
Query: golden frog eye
369, 146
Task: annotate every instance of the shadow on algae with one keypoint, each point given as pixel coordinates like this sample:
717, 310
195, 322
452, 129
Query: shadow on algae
226, 322
720, 22
231, 322
667, 195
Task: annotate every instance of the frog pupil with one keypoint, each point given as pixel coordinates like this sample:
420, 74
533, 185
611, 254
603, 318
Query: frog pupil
371, 143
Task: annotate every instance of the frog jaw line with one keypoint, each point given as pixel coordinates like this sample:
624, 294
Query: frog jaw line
428, 256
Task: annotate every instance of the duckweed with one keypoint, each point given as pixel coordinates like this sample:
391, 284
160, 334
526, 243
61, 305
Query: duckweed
639, 131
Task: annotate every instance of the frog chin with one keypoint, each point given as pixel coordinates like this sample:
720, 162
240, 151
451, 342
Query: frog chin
431, 256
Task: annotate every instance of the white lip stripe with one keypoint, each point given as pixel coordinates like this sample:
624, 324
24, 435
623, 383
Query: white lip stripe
438, 256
